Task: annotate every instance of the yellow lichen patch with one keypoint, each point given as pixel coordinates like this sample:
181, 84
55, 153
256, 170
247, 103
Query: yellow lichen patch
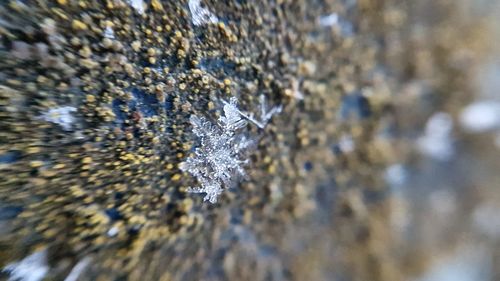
59, 166
90, 98
186, 204
79, 25
36, 164
77, 191
33, 149
87, 160
136, 45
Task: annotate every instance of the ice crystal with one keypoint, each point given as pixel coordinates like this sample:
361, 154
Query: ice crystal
138, 5
32, 268
109, 33
78, 269
217, 161
437, 140
200, 15
329, 20
265, 115
60, 115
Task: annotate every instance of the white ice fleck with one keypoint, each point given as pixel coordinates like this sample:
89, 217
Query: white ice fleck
335, 21
109, 33
295, 84
200, 15
60, 115
481, 116
346, 144
138, 5
436, 141
267, 114
329, 20
78, 269
113, 231
32, 268
395, 174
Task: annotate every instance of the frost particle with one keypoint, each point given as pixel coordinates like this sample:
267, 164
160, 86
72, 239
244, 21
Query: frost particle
32, 268
109, 33
436, 141
329, 20
138, 5
481, 116
78, 269
200, 15
61, 116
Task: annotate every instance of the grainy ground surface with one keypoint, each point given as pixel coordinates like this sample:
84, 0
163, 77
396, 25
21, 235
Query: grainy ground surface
373, 170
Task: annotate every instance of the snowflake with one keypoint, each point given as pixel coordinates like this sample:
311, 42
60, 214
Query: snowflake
217, 161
